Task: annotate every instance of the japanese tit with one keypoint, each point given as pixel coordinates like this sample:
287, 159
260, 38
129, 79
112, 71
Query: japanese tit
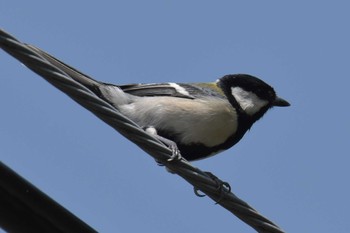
199, 119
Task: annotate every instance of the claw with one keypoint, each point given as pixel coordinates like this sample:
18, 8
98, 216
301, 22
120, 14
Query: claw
159, 163
222, 186
176, 155
196, 191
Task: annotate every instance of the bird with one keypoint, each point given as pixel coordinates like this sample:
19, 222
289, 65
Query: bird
195, 120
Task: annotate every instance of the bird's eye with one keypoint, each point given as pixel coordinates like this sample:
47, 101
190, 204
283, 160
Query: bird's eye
272, 94
265, 94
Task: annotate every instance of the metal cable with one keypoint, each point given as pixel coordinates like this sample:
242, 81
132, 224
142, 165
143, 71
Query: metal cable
110, 115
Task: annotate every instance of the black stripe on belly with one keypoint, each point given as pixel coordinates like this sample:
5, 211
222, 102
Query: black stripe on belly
196, 151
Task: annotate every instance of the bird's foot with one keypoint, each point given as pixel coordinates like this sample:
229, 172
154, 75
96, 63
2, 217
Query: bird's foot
222, 186
176, 155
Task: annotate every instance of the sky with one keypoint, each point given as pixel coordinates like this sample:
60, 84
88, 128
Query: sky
293, 166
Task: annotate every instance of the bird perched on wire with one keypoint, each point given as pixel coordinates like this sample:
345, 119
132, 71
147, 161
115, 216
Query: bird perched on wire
196, 119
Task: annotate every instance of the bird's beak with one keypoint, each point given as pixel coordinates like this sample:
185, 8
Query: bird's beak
279, 102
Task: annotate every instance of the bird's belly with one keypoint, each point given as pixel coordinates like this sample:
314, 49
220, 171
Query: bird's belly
207, 130
185, 121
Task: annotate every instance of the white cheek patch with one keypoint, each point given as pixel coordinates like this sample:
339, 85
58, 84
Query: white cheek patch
248, 101
179, 89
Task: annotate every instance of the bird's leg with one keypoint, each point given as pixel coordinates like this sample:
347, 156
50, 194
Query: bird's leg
176, 155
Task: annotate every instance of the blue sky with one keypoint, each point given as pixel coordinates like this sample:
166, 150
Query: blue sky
293, 166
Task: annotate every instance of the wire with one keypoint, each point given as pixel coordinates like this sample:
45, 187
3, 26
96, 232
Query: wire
24, 208
110, 115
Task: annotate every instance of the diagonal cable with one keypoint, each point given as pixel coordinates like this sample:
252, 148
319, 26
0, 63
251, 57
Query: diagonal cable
110, 115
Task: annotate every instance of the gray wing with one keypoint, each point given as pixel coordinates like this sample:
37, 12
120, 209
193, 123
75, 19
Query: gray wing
180, 90
106, 90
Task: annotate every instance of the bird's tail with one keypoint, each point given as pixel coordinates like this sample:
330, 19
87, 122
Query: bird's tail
72, 72
109, 92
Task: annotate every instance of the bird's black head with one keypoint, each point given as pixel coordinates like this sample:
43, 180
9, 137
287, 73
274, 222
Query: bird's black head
251, 96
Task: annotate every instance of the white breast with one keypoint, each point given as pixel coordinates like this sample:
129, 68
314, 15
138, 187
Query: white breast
209, 121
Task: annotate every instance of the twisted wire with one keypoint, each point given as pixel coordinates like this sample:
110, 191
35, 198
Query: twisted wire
110, 115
